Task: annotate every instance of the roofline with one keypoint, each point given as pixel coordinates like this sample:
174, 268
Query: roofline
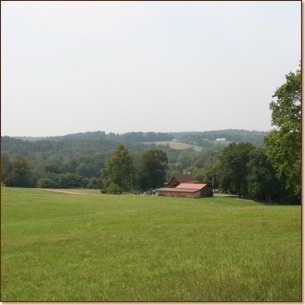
173, 190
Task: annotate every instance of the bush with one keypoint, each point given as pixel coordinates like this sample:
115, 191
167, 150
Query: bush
68, 181
114, 189
94, 183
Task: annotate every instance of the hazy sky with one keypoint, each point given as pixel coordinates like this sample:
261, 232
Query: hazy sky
72, 67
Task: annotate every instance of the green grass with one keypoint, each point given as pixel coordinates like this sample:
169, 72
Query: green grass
63, 247
176, 145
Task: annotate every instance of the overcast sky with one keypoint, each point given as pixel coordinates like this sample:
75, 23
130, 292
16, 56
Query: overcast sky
72, 67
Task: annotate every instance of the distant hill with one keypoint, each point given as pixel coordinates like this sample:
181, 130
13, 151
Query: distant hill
98, 142
129, 137
200, 138
84, 154
205, 138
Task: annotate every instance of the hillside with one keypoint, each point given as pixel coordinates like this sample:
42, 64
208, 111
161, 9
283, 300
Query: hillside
90, 143
200, 138
84, 154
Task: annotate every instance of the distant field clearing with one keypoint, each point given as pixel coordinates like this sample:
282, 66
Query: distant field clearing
176, 145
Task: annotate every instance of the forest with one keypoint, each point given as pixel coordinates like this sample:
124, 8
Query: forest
84, 154
253, 164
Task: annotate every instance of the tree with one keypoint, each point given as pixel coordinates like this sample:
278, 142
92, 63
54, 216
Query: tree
118, 169
186, 159
152, 171
48, 180
94, 183
5, 166
69, 181
233, 168
113, 189
261, 180
283, 144
86, 170
211, 174
20, 174
53, 166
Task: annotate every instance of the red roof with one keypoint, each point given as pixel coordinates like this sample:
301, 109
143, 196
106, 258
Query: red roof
191, 186
175, 190
184, 187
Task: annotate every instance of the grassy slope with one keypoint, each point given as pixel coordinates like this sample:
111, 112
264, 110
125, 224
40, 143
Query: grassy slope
65, 247
176, 145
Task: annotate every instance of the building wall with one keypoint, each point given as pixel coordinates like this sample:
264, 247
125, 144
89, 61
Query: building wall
179, 194
207, 191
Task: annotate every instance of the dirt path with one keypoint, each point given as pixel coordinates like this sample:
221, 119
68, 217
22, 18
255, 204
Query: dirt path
73, 191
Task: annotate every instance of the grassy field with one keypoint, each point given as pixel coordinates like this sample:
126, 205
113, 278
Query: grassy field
93, 247
176, 145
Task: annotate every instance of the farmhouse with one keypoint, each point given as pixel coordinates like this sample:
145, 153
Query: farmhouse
189, 190
176, 180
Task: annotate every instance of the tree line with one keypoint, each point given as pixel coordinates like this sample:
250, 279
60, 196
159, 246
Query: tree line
268, 170
117, 175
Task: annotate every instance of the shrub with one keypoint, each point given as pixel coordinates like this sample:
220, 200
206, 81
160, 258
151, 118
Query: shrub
113, 188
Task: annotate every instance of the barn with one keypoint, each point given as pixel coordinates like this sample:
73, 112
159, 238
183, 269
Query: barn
189, 190
176, 180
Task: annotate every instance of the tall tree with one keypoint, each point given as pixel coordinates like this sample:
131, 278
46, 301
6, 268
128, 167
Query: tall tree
20, 174
283, 144
153, 166
233, 168
5, 166
261, 180
118, 169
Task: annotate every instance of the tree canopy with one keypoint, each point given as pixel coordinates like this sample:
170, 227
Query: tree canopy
20, 173
152, 170
283, 144
233, 168
118, 170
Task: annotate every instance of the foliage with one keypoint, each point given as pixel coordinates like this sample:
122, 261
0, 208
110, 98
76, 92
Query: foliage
233, 168
206, 138
113, 188
118, 169
53, 166
64, 181
76, 161
247, 171
84, 154
94, 183
69, 180
20, 174
283, 144
261, 180
210, 174
152, 169
48, 180
5, 166
101, 135
60, 247
39, 150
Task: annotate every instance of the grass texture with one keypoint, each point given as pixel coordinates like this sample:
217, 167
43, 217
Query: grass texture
71, 247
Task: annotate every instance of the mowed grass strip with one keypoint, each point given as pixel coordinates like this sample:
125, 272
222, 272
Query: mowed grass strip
67, 247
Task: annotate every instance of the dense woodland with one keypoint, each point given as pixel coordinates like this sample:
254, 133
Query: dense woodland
81, 156
252, 164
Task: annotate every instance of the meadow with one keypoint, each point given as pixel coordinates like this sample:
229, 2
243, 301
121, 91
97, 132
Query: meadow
176, 145
95, 247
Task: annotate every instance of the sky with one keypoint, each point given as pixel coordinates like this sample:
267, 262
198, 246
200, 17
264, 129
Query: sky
69, 67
